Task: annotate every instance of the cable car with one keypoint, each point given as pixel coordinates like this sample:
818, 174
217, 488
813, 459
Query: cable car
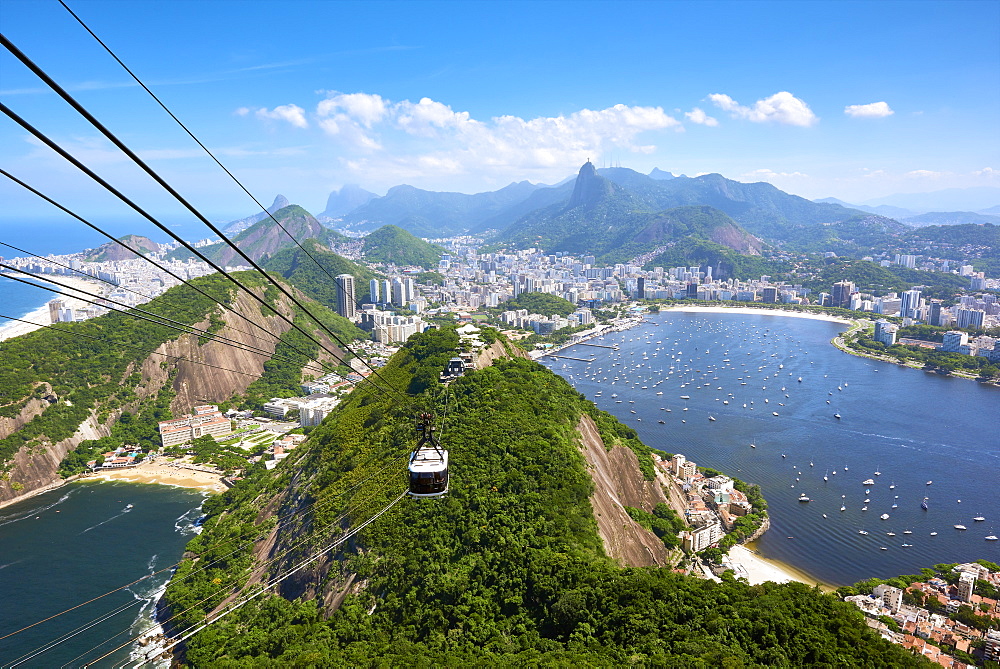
428, 463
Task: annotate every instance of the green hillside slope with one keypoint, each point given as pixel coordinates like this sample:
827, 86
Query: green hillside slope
391, 244
301, 270
506, 570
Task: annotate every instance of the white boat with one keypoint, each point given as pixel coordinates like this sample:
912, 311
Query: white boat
711, 417
960, 527
992, 537
804, 498
930, 482
907, 531
774, 413
978, 519
862, 532
884, 516
866, 481
933, 534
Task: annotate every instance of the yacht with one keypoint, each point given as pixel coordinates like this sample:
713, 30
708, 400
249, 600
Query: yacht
960, 527
978, 519
804, 498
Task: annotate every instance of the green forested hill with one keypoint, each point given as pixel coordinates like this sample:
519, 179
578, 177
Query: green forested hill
390, 244
539, 303
506, 570
301, 271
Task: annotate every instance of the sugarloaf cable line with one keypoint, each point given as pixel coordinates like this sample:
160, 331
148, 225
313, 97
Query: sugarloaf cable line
200, 144
131, 311
69, 99
205, 333
147, 259
189, 633
348, 533
279, 520
66, 155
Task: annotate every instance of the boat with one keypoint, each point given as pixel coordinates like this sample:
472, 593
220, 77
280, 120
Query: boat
923, 504
930, 482
933, 534
774, 413
843, 508
800, 379
685, 397
883, 548
907, 531
804, 498
711, 417
837, 416
907, 545
132, 506
884, 516
890, 534
862, 532
978, 519
661, 422
992, 537
892, 486
960, 527
867, 481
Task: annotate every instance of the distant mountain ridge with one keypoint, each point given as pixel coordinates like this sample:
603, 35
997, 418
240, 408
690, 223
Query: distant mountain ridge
614, 221
432, 214
235, 227
264, 238
346, 200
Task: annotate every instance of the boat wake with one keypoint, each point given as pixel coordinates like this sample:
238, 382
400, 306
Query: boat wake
23, 515
118, 515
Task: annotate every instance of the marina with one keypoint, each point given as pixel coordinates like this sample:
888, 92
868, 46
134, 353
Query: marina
863, 450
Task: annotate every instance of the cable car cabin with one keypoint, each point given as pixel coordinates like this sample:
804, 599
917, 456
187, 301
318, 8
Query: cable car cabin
428, 472
428, 463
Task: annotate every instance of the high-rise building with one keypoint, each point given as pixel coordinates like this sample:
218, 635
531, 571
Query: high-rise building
345, 296
969, 318
953, 340
966, 584
910, 303
373, 291
640, 291
885, 332
770, 295
841, 294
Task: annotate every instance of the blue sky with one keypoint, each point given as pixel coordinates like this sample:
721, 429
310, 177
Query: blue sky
852, 100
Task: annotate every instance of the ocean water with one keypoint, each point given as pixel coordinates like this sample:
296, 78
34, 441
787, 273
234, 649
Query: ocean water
911, 426
71, 544
18, 299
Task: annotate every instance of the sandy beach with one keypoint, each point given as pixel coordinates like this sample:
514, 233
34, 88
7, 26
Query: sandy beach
756, 569
165, 473
752, 310
39, 317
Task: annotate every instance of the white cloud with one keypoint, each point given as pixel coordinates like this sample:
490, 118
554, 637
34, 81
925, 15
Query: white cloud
242, 111
360, 107
924, 174
698, 116
781, 107
987, 172
873, 110
294, 114
419, 140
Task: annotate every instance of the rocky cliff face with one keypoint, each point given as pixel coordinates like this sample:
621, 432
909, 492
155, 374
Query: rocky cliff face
36, 468
618, 483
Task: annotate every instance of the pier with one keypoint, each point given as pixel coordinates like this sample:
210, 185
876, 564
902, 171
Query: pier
583, 343
569, 357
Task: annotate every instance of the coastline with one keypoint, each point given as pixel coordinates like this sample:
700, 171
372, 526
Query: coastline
164, 473
752, 310
39, 318
159, 473
757, 569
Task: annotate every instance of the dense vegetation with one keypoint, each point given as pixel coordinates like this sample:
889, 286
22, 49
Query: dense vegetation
507, 569
390, 244
318, 282
92, 364
872, 278
545, 304
724, 261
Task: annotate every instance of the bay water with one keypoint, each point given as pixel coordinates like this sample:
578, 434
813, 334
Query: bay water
925, 435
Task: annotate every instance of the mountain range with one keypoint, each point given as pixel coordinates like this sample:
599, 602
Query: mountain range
235, 227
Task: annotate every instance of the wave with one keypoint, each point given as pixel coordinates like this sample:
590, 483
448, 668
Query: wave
24, 515
119, 515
